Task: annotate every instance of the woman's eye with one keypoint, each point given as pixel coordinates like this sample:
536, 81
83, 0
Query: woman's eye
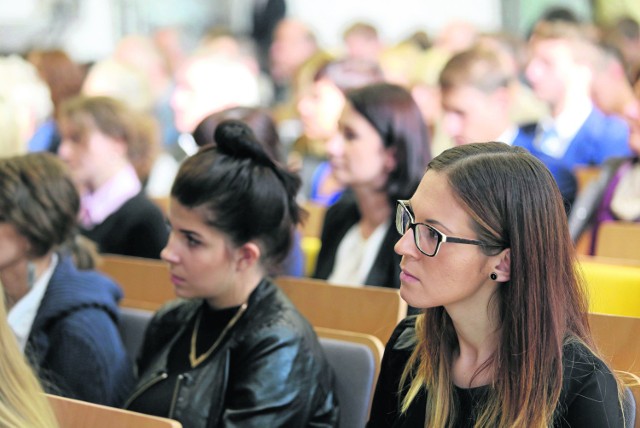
192, 242
433, 234
348, 134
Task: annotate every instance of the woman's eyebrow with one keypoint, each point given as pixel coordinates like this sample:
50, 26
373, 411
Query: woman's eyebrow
434, 222
429, 221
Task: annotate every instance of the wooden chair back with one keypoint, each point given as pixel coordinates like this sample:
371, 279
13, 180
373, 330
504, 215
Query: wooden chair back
312, 225
369, 310
585, 175
81, 414
619, 239
163, 203
145, 282
617, 340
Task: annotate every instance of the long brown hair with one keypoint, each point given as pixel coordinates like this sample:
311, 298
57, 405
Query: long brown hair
514, 203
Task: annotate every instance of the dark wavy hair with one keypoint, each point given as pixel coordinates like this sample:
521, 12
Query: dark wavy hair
39, 199
245, 193
393, 113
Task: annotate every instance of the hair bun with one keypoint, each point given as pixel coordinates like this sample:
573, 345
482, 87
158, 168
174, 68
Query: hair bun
234, 138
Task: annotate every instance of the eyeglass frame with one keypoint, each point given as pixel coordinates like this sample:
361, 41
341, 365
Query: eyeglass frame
404, 205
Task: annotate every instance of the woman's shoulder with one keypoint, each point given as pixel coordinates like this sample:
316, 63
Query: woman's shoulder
579, 360
584, 373
272, 317
71, 287
404, 337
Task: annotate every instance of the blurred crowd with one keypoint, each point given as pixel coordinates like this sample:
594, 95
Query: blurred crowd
568, 92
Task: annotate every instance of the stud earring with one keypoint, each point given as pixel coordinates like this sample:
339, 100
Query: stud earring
493, 276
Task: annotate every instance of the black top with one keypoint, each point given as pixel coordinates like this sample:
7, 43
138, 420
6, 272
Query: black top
589, 396
268, 371
157, 399
137, 229
340, 217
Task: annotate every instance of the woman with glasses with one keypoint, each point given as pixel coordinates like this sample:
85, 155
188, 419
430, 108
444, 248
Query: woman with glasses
233, 351
380, 156
503, 338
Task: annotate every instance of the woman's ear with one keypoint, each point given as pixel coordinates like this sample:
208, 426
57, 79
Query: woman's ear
247, 256
503, 266
390, 161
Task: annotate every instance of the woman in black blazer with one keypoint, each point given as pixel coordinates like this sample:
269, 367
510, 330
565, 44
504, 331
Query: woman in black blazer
380, 155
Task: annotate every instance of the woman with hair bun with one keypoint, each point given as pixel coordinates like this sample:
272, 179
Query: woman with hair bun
233, 351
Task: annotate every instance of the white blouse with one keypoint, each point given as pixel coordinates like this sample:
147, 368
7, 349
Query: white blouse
356, 254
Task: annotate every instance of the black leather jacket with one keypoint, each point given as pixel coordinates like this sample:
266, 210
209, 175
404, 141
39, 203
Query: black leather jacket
270, 370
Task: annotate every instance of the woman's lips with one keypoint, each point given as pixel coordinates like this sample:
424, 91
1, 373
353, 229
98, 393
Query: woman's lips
406, 276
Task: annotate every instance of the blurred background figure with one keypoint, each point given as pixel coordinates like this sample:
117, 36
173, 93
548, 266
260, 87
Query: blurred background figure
576, 133
293, 44
23, 400
265, 16
142, 54
119, 80
320, 108
362, 42
624, 34
132, 85
611, 90
65, 319
205, 84
64, 77
615, 194
379, 157
477, 97
100, 145
25, 104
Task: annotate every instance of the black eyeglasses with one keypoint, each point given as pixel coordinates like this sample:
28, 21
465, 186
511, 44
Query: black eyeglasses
427, 238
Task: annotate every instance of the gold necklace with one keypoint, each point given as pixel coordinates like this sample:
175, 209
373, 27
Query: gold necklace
195, 361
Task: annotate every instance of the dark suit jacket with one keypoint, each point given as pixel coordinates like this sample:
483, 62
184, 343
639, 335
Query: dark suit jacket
340, 217
74, 343
599, 138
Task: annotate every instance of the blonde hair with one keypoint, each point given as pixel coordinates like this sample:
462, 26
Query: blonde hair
22, 400
25, 103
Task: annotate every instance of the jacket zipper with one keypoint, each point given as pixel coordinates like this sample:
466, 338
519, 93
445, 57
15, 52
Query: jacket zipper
155, 379
174, 397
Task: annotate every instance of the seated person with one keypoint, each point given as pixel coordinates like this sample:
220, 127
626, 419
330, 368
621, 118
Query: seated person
319, 107
576, 133
64, 319
614, 195
503, 340
380, 156
233, 351
99, 141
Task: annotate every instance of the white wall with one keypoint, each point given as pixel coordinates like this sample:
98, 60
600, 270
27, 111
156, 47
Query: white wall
395, 19
93, 25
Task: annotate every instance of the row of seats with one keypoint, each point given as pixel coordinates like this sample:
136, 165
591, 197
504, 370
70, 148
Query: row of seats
371, 313
352, 323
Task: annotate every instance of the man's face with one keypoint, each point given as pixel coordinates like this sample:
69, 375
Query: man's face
549, 69
470, 115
